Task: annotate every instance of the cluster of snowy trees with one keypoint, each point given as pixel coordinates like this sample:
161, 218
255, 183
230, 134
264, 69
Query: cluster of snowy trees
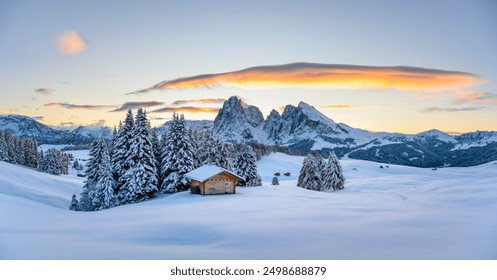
135, 164
53, 162
320, 174
24, 151
18, 151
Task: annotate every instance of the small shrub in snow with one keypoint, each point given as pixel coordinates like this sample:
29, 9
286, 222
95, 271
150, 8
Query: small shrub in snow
74, 204
275, 181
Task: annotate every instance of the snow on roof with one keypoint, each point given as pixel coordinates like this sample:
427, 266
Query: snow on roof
206, 172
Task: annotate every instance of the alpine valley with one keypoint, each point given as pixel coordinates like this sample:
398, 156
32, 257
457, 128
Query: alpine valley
302, 128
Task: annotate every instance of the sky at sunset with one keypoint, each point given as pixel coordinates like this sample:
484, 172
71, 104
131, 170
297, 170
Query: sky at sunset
396, 66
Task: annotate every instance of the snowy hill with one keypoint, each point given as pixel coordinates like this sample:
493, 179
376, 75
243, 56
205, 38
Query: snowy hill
397, 212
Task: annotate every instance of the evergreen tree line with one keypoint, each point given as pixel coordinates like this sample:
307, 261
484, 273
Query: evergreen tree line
23, 151
320, 174
135, 164
53, 162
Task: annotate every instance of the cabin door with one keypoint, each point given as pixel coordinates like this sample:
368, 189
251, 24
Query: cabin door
228, 187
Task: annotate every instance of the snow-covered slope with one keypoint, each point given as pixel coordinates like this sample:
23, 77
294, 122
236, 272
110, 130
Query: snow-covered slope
397, 212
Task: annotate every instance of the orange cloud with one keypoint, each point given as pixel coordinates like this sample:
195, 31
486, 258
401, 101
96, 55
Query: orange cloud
476, 97
69, 43
342, 106
200, 101
187, 109
329, 76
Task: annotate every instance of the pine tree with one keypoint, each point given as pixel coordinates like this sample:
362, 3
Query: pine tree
340, 179
93, 174
177, 157
41, 165
157, 150
74, 204
139, 182
193, 134
310, 174
3, 148
328, 175
246, 167
121, 146
104, 196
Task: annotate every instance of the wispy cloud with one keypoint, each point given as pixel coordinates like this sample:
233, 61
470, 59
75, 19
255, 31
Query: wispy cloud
476, 97
450, 109
330, 76
187, 109
342, 106
70, 43
135, 105
44, 91
68, 124
38, 118
70, 106
199, 101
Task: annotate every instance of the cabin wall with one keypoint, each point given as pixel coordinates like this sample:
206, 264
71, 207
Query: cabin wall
220, 184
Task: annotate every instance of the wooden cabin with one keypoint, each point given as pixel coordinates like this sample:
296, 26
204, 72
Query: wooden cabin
211, 179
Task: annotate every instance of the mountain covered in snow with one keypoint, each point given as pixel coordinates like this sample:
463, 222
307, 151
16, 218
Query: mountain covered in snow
305, 128
301, 128
23, 126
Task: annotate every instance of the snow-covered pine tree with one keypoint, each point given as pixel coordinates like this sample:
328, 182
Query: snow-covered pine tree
93, 174
193, 134
275, 181
104, 196
246, 167
177, 157
310, 174
121, 145
328, 175
41, 165
140, 180
340, 181
3, 147
157, 150
208, 149
74, 204
30, 152
53, 164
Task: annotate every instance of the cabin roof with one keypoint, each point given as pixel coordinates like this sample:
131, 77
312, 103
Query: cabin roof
205, 172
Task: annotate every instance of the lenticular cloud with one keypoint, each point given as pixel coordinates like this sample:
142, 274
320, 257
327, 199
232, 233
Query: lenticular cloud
327, 76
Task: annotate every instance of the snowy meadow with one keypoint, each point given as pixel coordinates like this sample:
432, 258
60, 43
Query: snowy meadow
395, 212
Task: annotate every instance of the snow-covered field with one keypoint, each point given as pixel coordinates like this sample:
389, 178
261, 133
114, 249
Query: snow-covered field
390, 213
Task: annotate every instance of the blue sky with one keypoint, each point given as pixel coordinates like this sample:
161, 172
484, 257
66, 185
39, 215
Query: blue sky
132, 45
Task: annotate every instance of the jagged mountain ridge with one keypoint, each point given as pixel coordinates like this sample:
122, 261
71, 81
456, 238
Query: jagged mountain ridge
305, 128
302, 128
